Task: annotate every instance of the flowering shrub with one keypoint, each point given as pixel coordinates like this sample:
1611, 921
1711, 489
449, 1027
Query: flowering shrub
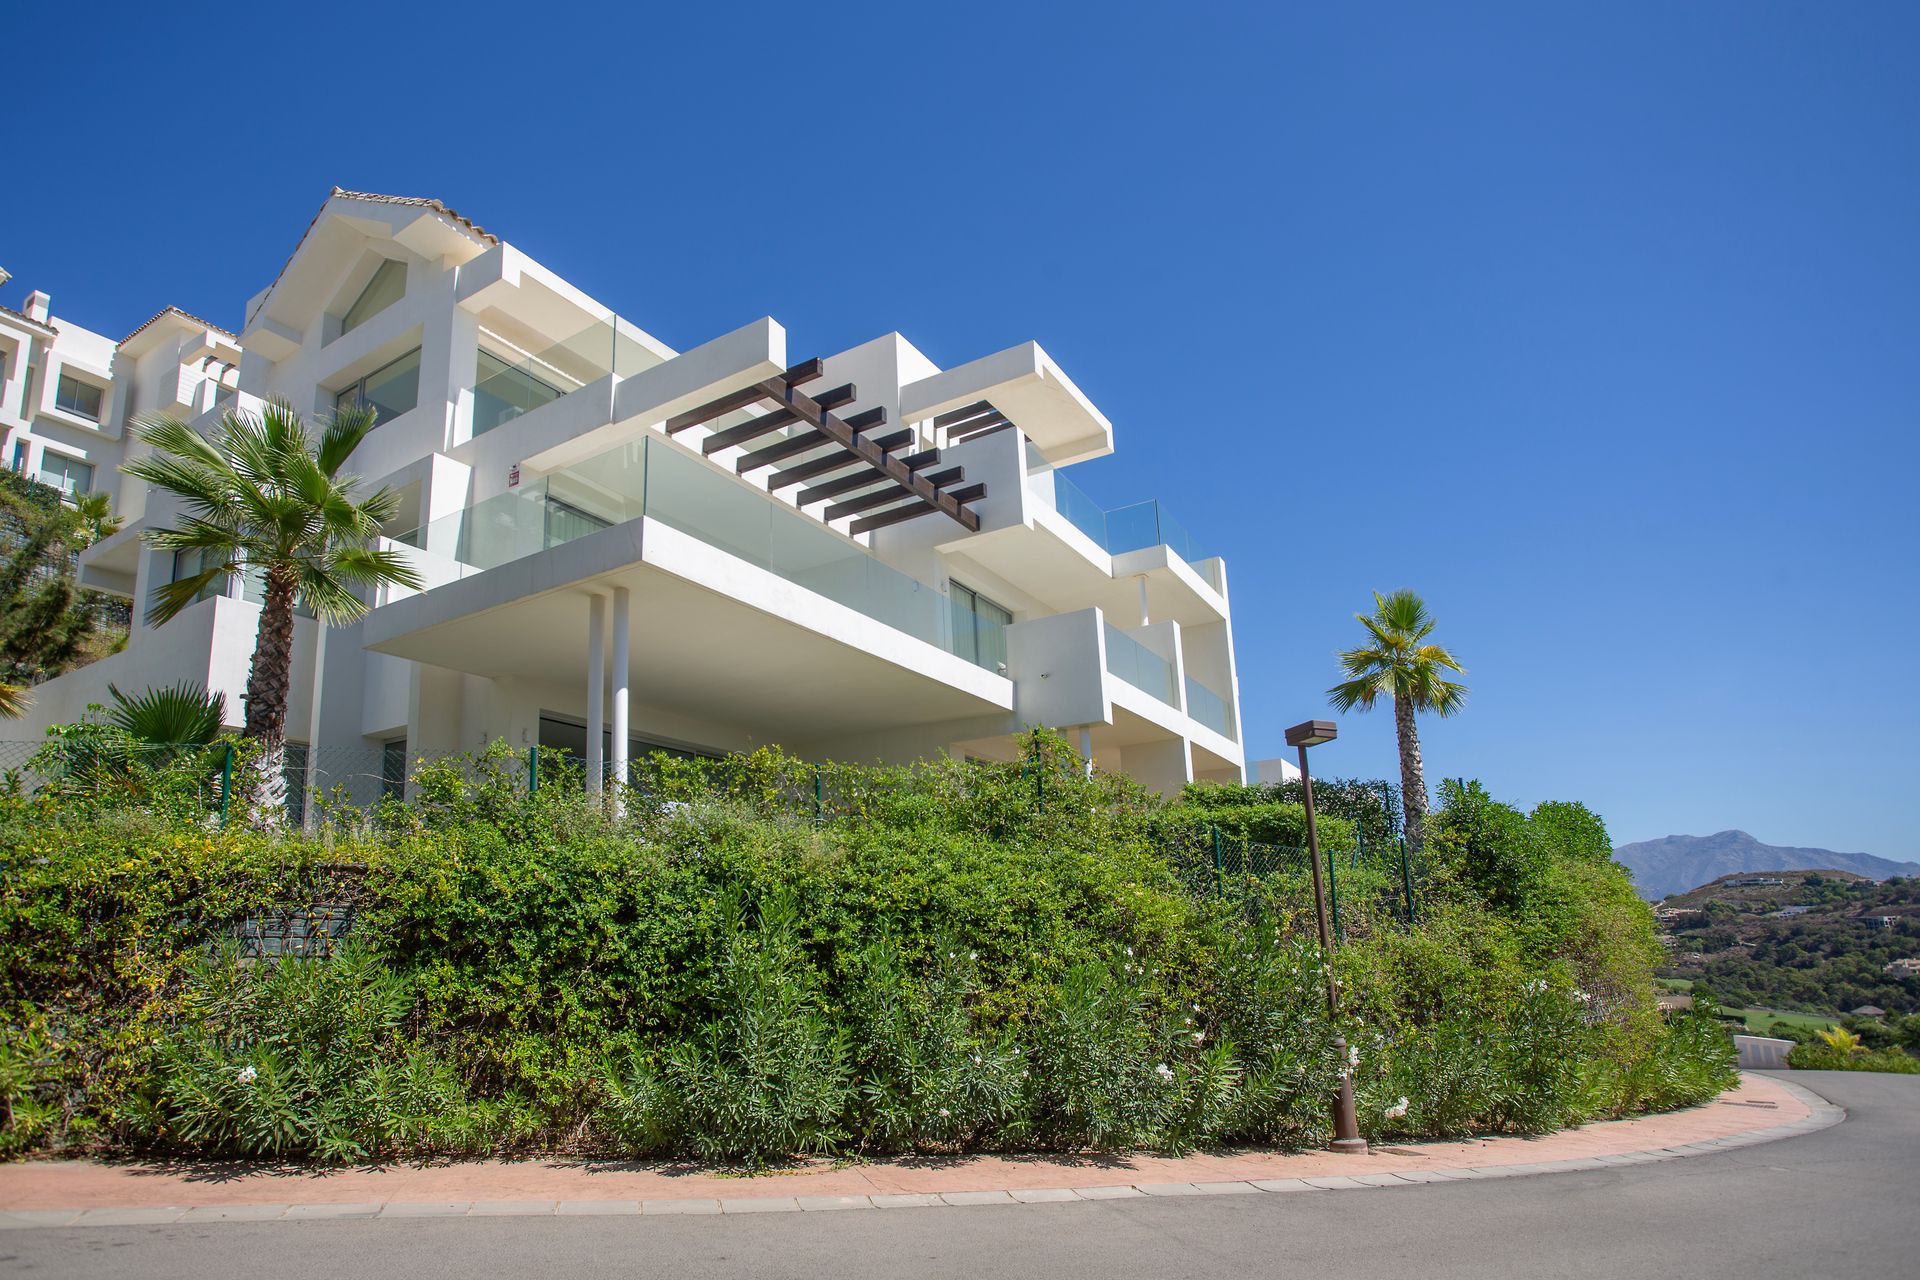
960, 957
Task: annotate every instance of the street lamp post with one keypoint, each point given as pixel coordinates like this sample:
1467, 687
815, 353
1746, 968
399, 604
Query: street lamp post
1346, 1124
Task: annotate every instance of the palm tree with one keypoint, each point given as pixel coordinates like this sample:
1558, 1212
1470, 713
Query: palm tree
177, 715
1398, 663
262, 495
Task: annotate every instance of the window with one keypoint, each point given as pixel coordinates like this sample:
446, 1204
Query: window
502, 392
388, 286
187, 564
389, 391
565, 522
20, 455
79, 398
393, 769
979, 628
69, 475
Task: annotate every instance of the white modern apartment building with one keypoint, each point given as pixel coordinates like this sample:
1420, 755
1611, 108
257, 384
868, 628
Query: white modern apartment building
859, 556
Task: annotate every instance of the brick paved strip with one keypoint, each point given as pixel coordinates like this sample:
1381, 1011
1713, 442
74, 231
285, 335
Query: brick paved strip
56, 1193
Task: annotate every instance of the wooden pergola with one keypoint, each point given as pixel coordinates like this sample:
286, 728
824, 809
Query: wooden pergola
857, 469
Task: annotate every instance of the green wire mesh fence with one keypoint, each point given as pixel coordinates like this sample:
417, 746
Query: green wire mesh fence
331, 784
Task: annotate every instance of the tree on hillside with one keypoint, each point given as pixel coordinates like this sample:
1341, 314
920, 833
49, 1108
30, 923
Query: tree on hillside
1398, 663
261, 494
47, 622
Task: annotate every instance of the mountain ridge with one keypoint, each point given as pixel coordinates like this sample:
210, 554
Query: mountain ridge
1674, 864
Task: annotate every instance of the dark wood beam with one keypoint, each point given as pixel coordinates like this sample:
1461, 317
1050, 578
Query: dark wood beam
741, 399
924, 458
773, 421
911, 511
834, 461
806, 371
961, 414
784, 449
841, 484
941, 478
849, 438
968, 494
865, 502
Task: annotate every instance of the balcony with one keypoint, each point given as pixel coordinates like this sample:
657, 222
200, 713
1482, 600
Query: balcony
1130, 528
652, 478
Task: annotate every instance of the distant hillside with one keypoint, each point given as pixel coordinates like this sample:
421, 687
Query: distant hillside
1674, 864
1818, 941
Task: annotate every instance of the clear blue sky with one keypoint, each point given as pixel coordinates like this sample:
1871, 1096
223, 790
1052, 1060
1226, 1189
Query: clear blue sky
1598, 325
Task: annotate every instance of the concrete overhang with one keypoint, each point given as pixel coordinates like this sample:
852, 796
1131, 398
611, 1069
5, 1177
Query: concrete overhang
1052, 560
711, 635
1033, 392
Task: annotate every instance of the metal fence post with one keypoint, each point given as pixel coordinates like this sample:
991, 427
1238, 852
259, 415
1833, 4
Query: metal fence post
226, 785
818, 812
533, 770
1219, 868
1406, 881
1333, 893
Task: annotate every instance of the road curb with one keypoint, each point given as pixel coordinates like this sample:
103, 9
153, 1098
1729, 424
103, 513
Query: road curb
1822, 1115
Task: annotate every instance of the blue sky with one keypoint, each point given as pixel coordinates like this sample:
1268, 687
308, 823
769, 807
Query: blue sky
1597, 325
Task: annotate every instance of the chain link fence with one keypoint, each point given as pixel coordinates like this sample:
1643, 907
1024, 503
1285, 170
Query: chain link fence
334, 784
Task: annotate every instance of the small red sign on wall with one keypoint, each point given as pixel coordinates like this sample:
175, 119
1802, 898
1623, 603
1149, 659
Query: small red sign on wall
513, 476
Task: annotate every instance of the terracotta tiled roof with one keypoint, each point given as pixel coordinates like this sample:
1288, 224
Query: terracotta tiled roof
184, 315
24, 318
421, 202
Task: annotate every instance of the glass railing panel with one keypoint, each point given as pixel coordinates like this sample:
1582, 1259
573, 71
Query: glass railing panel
1209, 708
1139, 666
1085, 514
689, 495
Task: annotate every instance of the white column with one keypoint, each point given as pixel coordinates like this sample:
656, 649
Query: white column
1086, 749
596, 692
1144, 619
620, 606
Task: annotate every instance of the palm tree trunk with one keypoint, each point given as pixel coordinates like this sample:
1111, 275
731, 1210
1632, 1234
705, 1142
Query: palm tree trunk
266, 698
1413, 774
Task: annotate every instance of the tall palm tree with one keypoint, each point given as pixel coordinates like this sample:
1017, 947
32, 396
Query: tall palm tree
1397, 662
262, 495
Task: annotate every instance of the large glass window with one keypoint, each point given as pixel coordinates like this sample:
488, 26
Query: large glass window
76, 397
979, 628
389, 391
502, 392
388, 286
69, 475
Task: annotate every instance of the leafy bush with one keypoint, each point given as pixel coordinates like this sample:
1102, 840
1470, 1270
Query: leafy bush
954, 957
298, 1057
1819, 1057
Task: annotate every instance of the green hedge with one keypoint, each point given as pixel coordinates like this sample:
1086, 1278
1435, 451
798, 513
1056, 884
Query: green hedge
958, 957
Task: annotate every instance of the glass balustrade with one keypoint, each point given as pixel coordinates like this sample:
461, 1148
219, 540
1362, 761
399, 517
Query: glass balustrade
1209, 708
650, 477
1123, 529
1139, 666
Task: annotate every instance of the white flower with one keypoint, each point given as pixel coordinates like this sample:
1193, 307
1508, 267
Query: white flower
973, 955
1129, 950
1582, 996
1196, 1008
1164, 1071
944, 1113
1353, 1055
1199, 1036
247, 1075
1396, 1111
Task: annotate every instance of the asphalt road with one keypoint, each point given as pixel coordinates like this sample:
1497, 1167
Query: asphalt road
1843, 1201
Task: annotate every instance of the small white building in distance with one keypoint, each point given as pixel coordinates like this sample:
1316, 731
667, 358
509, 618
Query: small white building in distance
859, 557
1278, 769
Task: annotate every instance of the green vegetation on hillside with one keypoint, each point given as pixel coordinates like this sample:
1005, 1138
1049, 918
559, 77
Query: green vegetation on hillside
958, 956
1826, 960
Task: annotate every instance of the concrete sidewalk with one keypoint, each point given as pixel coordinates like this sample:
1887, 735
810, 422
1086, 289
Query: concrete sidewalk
86, 1193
